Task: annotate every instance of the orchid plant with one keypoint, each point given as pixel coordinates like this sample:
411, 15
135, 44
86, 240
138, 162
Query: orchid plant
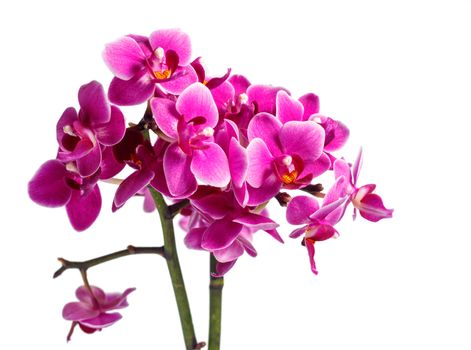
223, 149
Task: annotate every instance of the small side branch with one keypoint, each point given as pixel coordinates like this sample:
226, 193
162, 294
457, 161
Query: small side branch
83, 266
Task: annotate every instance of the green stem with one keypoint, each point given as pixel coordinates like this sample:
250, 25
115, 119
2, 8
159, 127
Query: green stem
174, 269
215, 307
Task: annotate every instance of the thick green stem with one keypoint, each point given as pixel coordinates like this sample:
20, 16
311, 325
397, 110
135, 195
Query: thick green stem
215, 306
174, 269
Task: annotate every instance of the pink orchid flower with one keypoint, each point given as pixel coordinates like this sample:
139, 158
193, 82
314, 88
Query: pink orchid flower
318, 221
56, 184
92, 311
83, 135
286, 155
141, 64
188, 124
369, 204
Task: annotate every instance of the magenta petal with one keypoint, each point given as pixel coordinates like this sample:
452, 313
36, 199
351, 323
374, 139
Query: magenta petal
241, 194
338, 190
311, 251
357, 166
134, 183
180, 179
165, 115
310, 103
112, 132
66, 121
115, 301
275, 234
131, 92
266, 127
95, 108
260, 163
89, 164
264, 193
287, 108
83, 210
48, 186
299, 209
81, 149
109, 165
77, 311
298, 232
248, 246
240, 84
256, 222
215, 205
316, 168
341, 168
102, 320
264, 97
181, 79
238, 162
220, 234
230, 253
210, 165
305, 139
197, 101
223, 268
341, 134
149, 204
175, 40
124, 57
372, 208
193, 238
327, 209
322, 232
83, 294
223, 94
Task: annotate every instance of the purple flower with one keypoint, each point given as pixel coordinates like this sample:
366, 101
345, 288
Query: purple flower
92, 311
192, 154
81, 134
140, 64
318, 221
220, 225
56, 184
369, 204
288, 155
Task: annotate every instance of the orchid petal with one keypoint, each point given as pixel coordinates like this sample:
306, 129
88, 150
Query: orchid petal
113, 131
77, 311
220, 234
310, 103
89, 163
175, 40
256, 222
95, 108
131, 92
260, 163
84, 209
299, 209
48, 186
180, 80
166, 116
287, 108
210, 165
305, 139
230, 253
266, 127
193, 238
197, 101
124, 57
134, 183
176, 165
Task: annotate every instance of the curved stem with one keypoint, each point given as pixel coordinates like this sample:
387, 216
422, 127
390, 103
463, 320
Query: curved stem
173, 264
84, 265
215, 306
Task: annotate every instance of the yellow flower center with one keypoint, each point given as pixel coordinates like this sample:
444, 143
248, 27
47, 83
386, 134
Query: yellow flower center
163, 75
290, 177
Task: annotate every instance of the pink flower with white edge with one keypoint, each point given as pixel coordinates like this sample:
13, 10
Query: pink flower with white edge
92, 311
369, 204
142, 64
188, 124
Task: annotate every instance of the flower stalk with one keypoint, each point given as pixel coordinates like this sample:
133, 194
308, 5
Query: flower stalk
175, 272
216, 285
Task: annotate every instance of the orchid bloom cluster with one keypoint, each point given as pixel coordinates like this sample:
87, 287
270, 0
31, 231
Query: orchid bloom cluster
224, 145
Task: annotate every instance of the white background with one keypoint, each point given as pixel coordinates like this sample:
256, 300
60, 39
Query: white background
396, 72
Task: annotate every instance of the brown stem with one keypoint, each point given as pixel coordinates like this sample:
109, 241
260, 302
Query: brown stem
82, 266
